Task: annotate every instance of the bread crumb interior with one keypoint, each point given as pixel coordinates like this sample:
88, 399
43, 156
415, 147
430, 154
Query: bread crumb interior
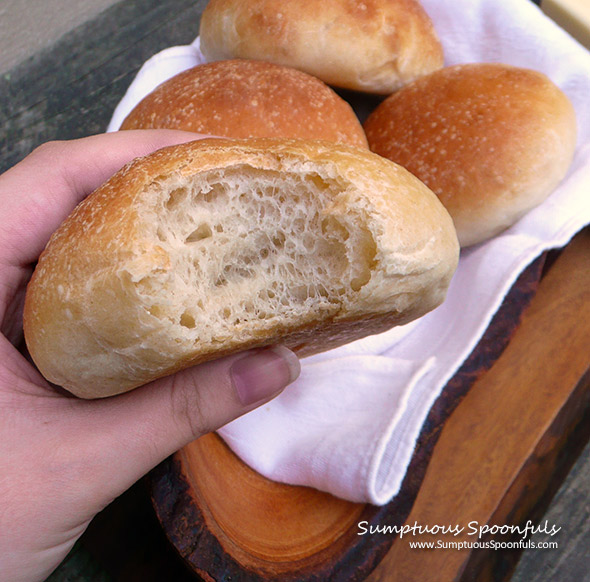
270, 249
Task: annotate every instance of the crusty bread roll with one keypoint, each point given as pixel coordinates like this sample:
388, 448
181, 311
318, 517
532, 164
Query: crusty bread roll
374, 46
241, 98
207, 248
491, 140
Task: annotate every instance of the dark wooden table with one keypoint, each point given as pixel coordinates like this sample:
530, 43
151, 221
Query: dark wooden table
70, 91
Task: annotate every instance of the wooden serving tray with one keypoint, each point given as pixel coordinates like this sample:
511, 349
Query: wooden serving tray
495, 447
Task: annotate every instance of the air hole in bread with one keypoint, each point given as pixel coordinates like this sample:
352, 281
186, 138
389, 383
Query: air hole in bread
176, 197
187, 320
330, 224
201, 232
156, 311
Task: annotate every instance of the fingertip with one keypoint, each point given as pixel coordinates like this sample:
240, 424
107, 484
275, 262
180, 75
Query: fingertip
262, 374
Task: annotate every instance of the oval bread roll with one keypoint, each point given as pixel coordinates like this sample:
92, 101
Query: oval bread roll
374, 46
241, 98
215, 246
491, 140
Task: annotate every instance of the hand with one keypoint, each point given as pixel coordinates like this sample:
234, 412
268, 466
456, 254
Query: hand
62, 460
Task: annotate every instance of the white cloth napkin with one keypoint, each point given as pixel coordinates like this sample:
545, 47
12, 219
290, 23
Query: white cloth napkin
349, 424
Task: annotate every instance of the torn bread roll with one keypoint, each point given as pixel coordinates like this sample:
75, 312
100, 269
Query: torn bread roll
491, 140
207, 248
373, 46
241, 98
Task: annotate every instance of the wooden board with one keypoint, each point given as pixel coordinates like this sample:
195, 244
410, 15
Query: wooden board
507, 461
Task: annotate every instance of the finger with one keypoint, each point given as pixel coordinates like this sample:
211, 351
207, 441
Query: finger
131, 433
38, 193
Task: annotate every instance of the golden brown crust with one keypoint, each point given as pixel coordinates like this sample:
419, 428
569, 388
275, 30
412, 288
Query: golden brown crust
104, 309
241, 98
374, 46
491, 140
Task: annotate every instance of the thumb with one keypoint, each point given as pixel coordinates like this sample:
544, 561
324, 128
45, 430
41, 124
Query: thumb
133, 432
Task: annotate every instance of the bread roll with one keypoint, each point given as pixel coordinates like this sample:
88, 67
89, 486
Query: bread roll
241, 98
491, 140
215, 246
374, 46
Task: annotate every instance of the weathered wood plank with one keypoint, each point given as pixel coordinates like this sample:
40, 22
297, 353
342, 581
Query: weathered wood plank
570, 510
71, 90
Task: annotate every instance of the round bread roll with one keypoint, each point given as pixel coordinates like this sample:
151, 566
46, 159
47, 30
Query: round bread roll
374, 46
241, 98
215, 246
491, 140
